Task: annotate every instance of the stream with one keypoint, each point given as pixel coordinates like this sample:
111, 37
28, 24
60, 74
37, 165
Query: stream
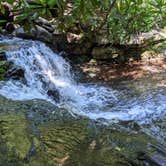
136, 106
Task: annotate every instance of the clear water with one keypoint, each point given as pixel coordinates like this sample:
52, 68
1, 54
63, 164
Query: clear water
46, 70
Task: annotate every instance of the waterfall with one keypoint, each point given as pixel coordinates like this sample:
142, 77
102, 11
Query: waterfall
46, 71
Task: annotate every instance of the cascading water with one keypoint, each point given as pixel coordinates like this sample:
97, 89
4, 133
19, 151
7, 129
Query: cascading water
45, 71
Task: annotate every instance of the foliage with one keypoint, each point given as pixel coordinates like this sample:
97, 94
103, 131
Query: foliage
117, 18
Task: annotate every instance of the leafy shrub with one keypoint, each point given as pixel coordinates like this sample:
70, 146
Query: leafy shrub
116, 18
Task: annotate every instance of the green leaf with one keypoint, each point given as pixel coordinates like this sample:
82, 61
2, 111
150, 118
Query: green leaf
10, 1
52, 3
2, 21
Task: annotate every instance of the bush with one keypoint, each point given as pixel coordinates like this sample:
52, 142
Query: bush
118, 19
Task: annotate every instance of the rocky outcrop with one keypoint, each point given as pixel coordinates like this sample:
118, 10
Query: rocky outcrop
38, 33
38, 133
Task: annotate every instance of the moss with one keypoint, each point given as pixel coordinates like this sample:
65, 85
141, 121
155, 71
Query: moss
2, 73
13, 134
73, 143
60, 139
126, 143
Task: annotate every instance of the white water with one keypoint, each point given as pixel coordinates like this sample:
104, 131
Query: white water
45, 70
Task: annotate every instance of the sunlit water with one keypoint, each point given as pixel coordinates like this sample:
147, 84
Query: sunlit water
45, 70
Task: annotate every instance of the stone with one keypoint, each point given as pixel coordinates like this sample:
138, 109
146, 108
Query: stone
3, 56
20, 32
156, 159
61, 139
54, 94
10, 27
15, 73
43, 34
45, 24
102, 39
38, 33
103, 53
16, 140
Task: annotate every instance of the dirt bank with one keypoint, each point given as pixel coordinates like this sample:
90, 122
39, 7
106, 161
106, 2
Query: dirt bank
103, 71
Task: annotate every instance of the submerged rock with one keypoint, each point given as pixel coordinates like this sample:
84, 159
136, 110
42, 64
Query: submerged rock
15, 73
14, 138
54, 94
3, 56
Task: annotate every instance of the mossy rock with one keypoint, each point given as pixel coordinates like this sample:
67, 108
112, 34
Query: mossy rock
128, 143
14, 138
74, 143
37, 133
61, 138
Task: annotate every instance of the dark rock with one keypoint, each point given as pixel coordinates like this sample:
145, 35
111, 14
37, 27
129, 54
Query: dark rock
43, 21
10, 27
54, 94
38, 33
45, 24
15, 73
3, 56
156, 159
43, 34
6, 14
20, 32
7, 65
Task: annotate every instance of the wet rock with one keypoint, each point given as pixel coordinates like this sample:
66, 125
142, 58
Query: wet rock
10, 27
3, 66
16, 141
72, 143
3, 56
54, 94
20, 32
15, 73
155, 159
2, 73
59, 138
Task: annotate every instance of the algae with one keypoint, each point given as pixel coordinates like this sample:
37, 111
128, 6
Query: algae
37, 133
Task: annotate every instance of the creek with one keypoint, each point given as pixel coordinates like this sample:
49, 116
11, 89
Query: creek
49, 78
